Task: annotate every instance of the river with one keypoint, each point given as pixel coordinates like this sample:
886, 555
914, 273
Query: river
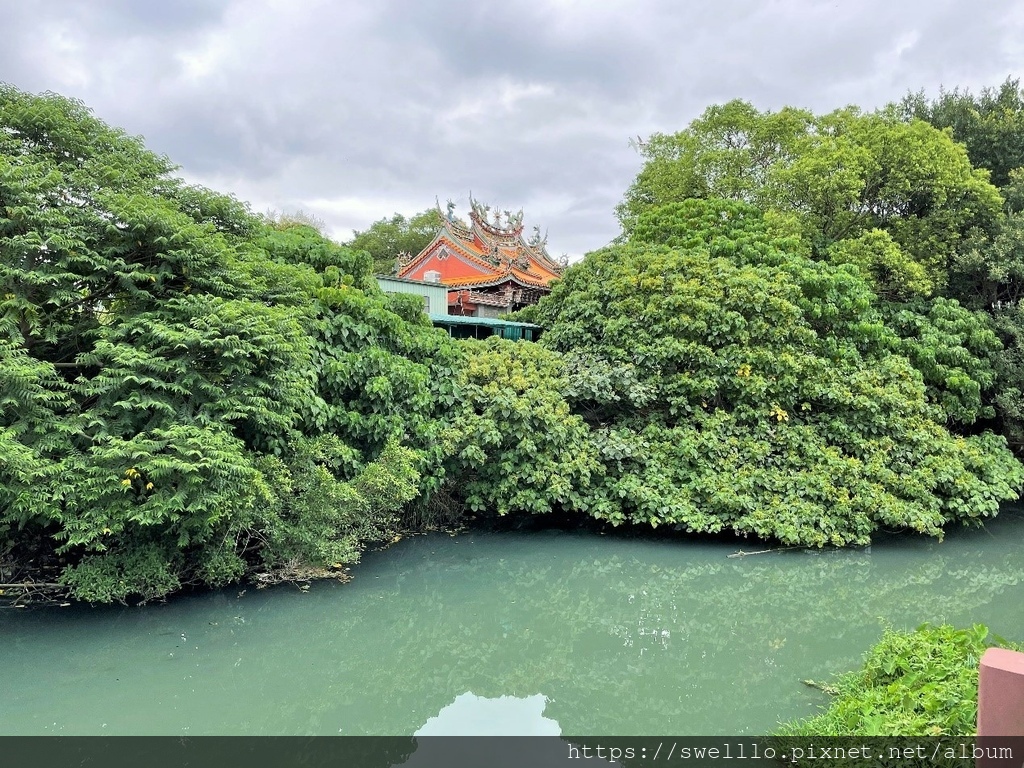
506, 632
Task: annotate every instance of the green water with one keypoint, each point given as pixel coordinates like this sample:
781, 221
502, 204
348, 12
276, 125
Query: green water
505, 633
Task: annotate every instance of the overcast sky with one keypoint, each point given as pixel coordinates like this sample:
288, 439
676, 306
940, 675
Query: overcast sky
352, 111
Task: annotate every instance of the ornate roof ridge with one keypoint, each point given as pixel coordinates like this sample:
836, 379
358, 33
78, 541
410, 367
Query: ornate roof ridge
450, 221
455, 243
484, 237
479, 215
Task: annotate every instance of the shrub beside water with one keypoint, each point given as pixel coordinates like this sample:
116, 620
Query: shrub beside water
919, 683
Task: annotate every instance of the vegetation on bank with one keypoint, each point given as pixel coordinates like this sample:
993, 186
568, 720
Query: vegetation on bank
766, 394
191, 394
919, 683
808, 330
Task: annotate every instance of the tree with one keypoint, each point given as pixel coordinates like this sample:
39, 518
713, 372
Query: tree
729, 152
988, 272
990, 125
182, 397
386, 239
299, 218
833, 178
989, 276
760, 391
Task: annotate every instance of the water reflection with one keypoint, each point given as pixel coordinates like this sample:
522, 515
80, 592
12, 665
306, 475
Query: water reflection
623, 637
472, 715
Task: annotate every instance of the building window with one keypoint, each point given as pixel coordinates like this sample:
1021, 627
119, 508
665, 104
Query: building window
426, 304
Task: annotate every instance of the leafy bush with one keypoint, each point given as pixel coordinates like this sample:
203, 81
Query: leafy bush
759, 391
518, 446
920, 683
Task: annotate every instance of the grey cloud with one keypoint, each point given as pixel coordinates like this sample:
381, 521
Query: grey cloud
492, 40
151, 19
367, 109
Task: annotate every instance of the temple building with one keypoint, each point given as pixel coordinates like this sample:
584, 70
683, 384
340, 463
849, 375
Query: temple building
487, 266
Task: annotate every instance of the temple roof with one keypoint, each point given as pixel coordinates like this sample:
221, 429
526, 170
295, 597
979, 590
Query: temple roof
485, 251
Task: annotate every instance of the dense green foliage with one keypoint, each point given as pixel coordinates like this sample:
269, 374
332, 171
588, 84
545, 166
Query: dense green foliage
386, 239
843, 176
807, 332
190, 394
920, 683
990, 125
520, 447
889, 194
986, 272
760, 391
885, 192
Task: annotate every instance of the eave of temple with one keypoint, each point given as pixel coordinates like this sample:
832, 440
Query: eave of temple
514, 275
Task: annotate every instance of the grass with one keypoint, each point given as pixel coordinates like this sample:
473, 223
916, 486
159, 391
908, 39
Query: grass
919, 683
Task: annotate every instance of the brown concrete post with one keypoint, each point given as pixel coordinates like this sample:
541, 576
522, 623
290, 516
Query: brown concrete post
1000, 706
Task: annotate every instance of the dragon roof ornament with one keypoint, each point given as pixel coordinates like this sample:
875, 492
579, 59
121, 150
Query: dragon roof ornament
501, 224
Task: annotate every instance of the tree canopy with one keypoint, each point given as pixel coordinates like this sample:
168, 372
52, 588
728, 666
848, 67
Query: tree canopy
904, 192
990, 125
757, 390
189, 393
386, 239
